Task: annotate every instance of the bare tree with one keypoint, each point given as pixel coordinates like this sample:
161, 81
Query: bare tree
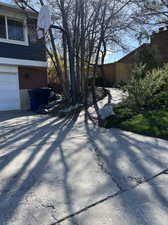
87, 28
152, 12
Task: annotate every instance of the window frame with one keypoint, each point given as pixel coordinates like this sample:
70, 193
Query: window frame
25, 30
4, 24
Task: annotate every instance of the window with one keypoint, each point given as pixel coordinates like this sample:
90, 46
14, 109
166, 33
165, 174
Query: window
2, 27
12, 30
15, 30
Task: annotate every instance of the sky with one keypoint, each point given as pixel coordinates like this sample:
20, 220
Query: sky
112, 56
7, 1
116, 54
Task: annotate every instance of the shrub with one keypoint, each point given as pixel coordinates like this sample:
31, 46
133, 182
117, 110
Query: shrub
121, 114
149, 56
151, 123
147, 91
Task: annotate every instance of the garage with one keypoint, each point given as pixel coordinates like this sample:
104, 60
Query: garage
9, 89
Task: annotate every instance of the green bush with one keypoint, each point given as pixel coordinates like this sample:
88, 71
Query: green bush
151, 123
121, 113
149, 91
149, 56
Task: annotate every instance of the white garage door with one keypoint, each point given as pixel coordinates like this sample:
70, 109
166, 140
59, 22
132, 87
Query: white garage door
9, 91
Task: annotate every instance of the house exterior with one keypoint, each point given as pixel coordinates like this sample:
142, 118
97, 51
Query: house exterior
23, 63
158, 40
131, 58
121, 70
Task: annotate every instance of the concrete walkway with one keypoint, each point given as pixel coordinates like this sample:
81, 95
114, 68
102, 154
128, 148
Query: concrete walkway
63, 172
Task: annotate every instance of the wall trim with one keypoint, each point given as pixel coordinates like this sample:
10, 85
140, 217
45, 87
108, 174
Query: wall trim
22, 62
8, 69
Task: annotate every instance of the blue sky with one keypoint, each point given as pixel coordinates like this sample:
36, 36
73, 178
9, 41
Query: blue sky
118, 54
111, 56
7, 1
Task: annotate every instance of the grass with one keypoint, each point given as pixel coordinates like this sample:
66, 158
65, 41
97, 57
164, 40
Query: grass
151, 123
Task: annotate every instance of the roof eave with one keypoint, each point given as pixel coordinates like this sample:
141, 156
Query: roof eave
15, 8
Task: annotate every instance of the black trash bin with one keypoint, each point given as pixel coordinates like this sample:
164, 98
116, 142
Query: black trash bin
33, 100
39, 97
43, 95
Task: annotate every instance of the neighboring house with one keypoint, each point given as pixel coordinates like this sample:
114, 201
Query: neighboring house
120, 71
131, 58
23, 63
158, 40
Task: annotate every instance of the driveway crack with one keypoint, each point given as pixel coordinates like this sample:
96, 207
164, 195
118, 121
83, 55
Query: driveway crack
101, 164
109, 197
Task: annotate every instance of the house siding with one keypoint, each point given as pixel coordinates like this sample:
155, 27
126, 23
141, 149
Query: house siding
160, 41
32, 77
26, 60
32, 52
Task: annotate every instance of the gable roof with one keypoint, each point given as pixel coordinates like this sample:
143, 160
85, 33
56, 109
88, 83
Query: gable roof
132, 53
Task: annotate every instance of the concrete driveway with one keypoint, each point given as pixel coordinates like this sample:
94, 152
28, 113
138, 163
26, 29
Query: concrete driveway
63, 172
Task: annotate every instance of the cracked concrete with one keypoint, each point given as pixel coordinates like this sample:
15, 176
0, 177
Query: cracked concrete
141, 205
46, 172
127, 157
51, 169
99, 204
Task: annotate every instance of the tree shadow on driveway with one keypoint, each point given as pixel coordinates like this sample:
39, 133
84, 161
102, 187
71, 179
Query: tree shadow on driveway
25, 155
132, 161
47, 173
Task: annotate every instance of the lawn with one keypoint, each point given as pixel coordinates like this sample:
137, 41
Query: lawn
151, 123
